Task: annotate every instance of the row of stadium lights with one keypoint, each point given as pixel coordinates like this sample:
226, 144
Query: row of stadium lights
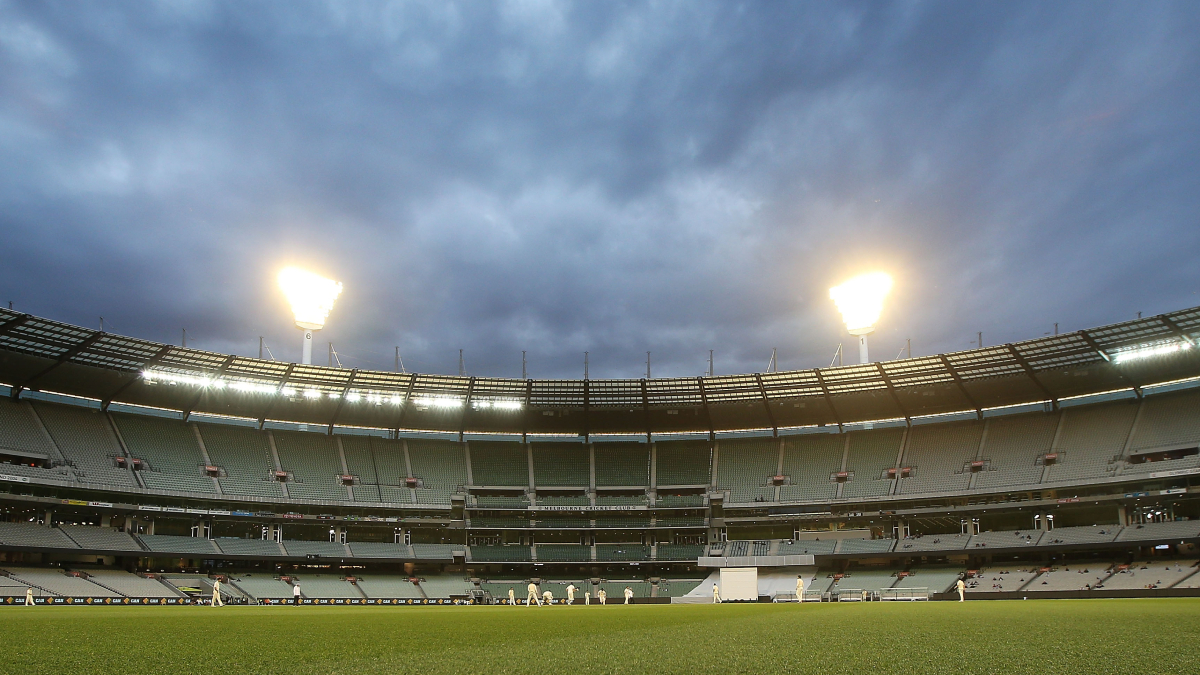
311, 296
153, 376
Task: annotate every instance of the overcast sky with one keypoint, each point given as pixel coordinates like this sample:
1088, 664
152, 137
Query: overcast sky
610, 177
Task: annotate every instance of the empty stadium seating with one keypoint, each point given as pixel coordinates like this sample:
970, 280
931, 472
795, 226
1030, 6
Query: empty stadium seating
871, 453
499, 464
324, 549
683, 463
563, 553
100, 538
131, 585
500, 553
34, 535
56, 582
436, 551
679, 551
622, 464
1014, 449
165, 543
262, 587
360, 462
387, 463
561, 464
87, 442
21, 430
252, 547
607, 552
1090, 440
379, 549
441, 468
445, 586
808, 461
314, 463
865, 545
745, 468
326, 586
245, 456
386, 586
170, 451
939, 457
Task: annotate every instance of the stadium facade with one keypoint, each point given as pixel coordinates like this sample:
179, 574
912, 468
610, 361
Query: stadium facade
142, 456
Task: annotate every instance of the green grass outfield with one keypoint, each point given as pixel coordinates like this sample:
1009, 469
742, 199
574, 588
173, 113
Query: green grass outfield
1035, 636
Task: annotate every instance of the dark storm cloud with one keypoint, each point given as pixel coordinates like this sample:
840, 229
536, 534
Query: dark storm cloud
605, 177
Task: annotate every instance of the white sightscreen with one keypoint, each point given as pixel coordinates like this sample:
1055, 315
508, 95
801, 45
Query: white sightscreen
739, 583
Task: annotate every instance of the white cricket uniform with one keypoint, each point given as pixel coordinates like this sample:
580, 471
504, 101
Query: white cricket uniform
716, 594
602, 596
216, 598
512, 597
961, 590
533, 596
29, 596
548, 597
571, 594
628, 594
587, 598
799, 589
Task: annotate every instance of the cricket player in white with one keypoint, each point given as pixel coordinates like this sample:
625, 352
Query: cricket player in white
533, 596
548, 597
601, 595
716, 594
512, 598
216, 599
587, 598
628, 594
799, 588
571, 594
961, 590
29, 596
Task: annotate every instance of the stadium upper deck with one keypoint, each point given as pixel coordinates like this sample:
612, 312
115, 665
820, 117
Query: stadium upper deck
40, 354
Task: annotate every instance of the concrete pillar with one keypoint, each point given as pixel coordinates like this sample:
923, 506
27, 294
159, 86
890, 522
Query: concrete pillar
1122, 516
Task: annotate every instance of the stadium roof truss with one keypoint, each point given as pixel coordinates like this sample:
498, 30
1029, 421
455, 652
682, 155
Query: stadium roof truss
40, 354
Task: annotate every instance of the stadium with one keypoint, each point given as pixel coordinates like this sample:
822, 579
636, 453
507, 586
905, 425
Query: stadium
607, 216
137, 472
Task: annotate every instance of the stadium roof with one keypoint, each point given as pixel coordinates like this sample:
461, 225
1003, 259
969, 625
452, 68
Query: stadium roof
40, 354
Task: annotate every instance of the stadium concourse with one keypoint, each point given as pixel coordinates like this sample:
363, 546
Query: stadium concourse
140, 473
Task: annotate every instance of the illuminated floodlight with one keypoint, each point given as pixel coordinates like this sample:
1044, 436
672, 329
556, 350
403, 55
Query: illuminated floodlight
395, 400
311, 297
860, 300
1149, 351
353, 397
312, 393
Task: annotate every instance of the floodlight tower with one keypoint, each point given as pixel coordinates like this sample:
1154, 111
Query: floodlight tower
860, 300
311, 297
